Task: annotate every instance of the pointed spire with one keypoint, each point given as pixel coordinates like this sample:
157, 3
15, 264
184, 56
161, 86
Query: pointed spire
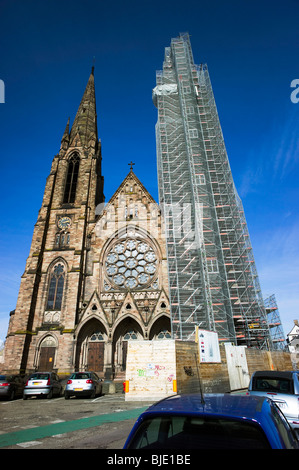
65, 138
85, 122
66, 134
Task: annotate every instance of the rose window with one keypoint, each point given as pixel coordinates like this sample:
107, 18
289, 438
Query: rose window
131, 263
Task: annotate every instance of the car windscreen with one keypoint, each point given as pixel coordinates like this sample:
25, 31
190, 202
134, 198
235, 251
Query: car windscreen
7, 378
39, 376
79, 376
273, 384
186, 432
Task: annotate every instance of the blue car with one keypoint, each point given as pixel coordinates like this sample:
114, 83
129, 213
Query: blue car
214, 421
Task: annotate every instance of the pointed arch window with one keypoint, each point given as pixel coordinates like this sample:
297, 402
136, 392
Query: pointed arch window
56, 287
71, 179
97, 336
130, 335
164, 334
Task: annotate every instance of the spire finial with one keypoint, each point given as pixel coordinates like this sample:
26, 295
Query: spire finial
131, 164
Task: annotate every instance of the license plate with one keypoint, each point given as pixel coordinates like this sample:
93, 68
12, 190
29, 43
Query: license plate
36, 383
78, 389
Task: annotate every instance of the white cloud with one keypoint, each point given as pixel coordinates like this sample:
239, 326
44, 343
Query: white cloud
4, 320
273, 159
286, 146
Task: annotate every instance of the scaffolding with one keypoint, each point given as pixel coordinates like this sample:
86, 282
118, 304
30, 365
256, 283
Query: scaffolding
212, 275
275, 325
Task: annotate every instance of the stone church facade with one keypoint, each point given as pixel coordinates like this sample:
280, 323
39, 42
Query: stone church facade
96, 275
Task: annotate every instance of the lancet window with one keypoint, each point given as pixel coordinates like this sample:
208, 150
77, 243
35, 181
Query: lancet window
56, 286
71, 179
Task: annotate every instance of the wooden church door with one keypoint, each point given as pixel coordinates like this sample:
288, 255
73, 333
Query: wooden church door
95, 359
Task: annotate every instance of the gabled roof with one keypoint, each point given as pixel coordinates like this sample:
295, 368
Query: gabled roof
131, 177
295, 330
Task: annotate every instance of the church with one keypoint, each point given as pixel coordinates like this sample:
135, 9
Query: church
96, 274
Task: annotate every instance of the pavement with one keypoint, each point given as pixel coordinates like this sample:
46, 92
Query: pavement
58, 423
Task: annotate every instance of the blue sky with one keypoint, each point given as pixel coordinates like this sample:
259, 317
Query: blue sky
251, 48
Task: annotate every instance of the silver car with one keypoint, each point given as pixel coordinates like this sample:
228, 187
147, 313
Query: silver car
42, 383
11, 386
283, 388
83, 383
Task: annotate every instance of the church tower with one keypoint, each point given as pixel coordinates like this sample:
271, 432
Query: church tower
96, 275
51, 287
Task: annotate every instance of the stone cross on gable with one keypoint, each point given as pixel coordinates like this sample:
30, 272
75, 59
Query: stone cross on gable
131, 164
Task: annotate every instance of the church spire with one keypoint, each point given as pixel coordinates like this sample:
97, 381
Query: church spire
85, 122
66, 133
66, 137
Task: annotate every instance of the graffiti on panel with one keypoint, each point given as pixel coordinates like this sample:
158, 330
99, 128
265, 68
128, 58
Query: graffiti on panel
154, 370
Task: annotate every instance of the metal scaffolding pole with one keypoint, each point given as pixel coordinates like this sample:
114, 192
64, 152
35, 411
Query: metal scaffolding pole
274, 322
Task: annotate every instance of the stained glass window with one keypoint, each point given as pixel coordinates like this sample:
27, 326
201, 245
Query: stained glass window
56, 288
131, 263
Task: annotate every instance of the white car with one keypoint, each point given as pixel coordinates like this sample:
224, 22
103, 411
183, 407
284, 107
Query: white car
83, 383
283, 388
42, 383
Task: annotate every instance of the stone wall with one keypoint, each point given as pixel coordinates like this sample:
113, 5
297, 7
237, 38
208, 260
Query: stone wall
187, 367
214, 376
156, 369
267, 360
193, 376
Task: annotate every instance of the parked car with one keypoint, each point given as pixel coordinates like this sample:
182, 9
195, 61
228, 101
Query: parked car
42, 383
83, 383
283, 388
11, 386
216, 421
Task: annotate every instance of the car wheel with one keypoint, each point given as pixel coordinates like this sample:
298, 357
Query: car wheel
66, 396
50, 394
25, 397
12, 395
93, 393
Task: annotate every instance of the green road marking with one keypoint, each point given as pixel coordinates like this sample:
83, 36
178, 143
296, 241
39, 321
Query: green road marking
13, 438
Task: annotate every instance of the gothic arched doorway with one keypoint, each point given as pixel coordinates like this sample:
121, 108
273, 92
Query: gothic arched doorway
128, 329
47, 354
161, 329
90, 350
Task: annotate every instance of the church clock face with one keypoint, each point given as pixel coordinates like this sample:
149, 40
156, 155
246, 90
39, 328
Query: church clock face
64, 222
131, 264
